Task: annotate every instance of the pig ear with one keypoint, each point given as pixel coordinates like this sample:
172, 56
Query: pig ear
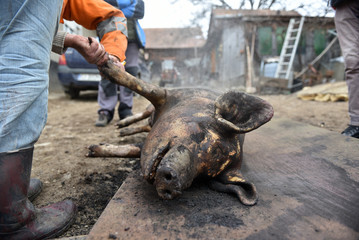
240, 112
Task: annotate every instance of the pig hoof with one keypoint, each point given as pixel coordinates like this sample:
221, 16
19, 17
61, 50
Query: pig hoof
246, 192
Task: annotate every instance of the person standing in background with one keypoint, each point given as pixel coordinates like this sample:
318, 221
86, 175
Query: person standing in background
108, 96
347, 26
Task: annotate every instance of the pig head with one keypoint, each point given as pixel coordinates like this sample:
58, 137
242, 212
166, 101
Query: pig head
196, 132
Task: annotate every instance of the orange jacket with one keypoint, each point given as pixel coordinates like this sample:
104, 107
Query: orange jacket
90, 14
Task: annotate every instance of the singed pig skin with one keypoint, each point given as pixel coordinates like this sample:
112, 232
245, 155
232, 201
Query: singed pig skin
194, 132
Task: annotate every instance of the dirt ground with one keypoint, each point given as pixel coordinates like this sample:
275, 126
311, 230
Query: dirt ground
60, 154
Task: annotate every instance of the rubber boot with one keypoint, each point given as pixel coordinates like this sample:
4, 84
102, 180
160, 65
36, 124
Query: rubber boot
35, 189
124, 111
19, 219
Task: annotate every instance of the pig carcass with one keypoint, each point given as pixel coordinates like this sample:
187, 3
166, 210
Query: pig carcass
195, 132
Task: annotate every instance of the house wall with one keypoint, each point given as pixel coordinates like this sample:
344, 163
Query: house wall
180, 56
229, 63
177, 54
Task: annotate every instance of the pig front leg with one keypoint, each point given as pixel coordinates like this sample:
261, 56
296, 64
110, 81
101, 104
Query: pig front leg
136, 117
131, 131
232, 181
109, 150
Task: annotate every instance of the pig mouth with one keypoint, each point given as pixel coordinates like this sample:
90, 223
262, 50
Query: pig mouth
164, 175
157, 162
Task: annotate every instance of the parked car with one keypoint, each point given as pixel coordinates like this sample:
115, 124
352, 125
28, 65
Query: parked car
169, 74
76, 74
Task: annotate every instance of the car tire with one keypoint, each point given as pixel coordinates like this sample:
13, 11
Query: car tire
73, 93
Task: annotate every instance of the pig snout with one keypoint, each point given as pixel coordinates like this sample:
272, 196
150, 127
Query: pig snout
175, 173
168, 185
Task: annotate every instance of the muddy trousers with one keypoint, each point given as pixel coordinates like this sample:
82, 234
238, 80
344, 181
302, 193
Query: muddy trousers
27, 29
347, 26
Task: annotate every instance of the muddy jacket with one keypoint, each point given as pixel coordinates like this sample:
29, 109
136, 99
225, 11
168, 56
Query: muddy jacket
109, 22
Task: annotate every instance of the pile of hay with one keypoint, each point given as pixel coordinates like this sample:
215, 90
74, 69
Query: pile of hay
333, 92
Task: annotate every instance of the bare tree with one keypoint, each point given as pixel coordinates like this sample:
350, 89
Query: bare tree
311, 8
225, 4
307, 6
267, 4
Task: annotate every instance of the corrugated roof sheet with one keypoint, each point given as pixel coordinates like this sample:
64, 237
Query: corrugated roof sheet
165, 38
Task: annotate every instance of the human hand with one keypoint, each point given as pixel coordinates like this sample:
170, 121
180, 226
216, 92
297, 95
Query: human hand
117, 62
93, 51
113, 59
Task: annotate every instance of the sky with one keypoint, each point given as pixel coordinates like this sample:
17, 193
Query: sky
165, 14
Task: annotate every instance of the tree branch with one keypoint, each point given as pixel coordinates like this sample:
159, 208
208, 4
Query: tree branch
225, 4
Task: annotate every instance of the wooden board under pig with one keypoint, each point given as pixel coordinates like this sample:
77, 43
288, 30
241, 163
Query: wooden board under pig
308, 185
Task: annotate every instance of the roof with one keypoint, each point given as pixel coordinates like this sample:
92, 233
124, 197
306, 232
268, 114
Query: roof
265, 15
165, 38
220, 12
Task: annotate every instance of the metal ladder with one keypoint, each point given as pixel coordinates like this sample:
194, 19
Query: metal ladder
289, 49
